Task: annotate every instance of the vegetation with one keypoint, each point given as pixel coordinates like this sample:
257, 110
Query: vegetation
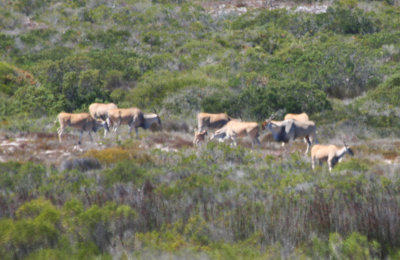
223, 203
219, 202
146, 54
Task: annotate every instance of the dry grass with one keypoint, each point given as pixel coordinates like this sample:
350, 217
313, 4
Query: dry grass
109, 155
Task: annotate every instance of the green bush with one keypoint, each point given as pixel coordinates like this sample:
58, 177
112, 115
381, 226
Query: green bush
348, 21
356, 246
36, 227
6, 74
109, 38
354, 165
388, 92
260, 102
124, 172
155, 87
29, 7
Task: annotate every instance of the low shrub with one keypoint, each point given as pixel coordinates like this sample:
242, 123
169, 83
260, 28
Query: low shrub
81, 164
112, 155
109, 155
354, 164
124, 172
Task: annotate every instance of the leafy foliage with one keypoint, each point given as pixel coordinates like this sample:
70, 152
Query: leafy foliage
218, 202
144, 54
189, 203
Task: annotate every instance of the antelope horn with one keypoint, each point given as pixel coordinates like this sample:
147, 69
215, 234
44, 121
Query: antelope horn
271, 117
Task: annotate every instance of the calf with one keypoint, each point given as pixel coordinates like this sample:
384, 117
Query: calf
199, 137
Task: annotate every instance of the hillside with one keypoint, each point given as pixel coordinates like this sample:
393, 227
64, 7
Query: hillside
152, 54
159, 197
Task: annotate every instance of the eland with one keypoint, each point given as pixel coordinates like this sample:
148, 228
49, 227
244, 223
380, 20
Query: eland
288, 130
133, 117
207, 120
332, 154
234, 129
81, 121
100, 111
299, 117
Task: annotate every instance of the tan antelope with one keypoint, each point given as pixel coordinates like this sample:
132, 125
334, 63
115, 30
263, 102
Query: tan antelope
288, 130
199, 137
234, 129
207, 120
330, 153
100, 111
133, 117
299, 117
81, 121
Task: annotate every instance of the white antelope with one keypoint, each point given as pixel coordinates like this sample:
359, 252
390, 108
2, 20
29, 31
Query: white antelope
288, 130
81, 121
133, 117
234, 129
100, 111
211, 120
199, 137
330, 153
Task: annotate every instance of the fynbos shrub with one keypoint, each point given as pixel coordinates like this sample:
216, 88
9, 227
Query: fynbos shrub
81, 164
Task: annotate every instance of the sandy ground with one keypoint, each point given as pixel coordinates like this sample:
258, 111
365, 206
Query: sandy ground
218, 8
45, 148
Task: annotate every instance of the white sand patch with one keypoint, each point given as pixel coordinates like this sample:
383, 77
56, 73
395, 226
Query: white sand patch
229, 7
165, 148
13, 144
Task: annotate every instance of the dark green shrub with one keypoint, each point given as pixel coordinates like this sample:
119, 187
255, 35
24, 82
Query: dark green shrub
348, 21
124, 172
113, 79
354, 164
35, 101
155, 86
221, 101
6, 74
36, 227
388, 92
37, 36
81, 164
109, 38
6, 43
260, 102
30, 6
356, 246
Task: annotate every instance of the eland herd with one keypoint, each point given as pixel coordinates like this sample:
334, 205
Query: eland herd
226, 128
